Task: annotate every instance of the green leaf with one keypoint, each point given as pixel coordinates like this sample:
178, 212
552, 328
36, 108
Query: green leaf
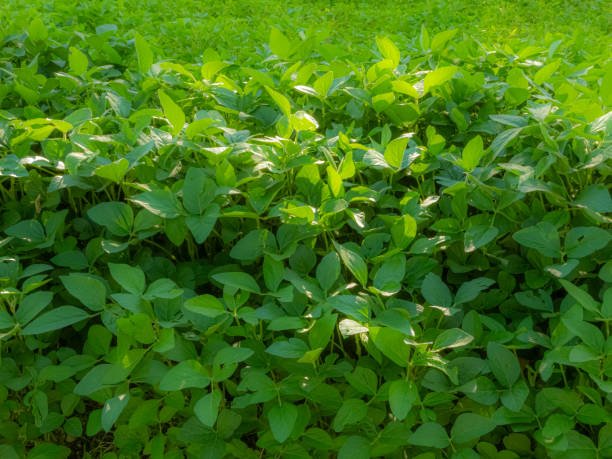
131, 278
144, 53
439, 41
470, 426
238, 280
582, 241
392, 344
112, 409
430, 435
293, 348
78, 61
543, 237
503, 363
451, 338
436, 291
438, 77
595, 197
137, 326
352, 411
188, 373
478, 236
321, 332
472, 153
30, 306
355, 447
28, 230
403, 231
117, 217
162, 203
546, 72
402, 396
89, 291
279, 44
470, 290
253, 245
281, 101
37, 31
515, 397
162, 288
229, 355
198, 190
202, 225
282, 419
173, 113
353, 262
582, 297
207, 408
114, 171
55, 319
557, 424
390, 274
503, 139
206, 305
273, 272
403, 87
388, 50
328, 270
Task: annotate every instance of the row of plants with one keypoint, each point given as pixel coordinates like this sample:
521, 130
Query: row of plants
305, 256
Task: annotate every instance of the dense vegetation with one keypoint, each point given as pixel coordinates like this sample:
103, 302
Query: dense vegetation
308, 230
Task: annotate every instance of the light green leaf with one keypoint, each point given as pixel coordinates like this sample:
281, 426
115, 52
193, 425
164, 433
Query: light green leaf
78, 61
279, 43
394, 153
145, 55
173, 113
388, 49
472, 153
438, 77
281, 101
